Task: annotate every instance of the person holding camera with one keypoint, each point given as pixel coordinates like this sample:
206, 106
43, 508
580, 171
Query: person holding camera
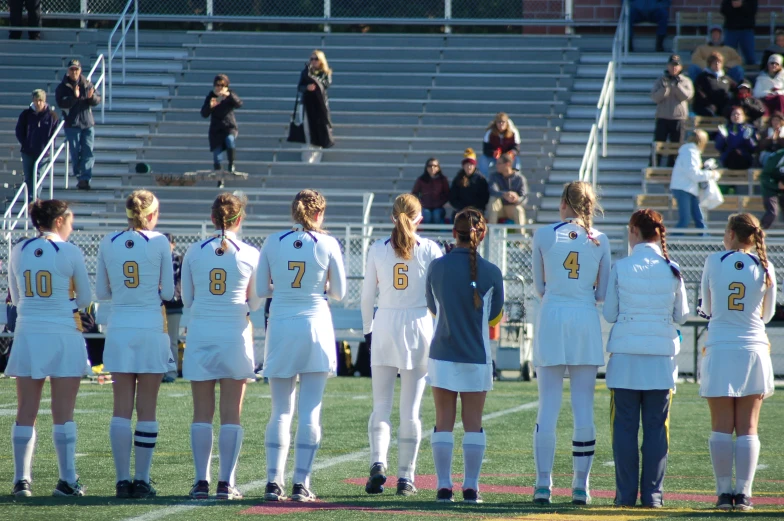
671, 93
219, 106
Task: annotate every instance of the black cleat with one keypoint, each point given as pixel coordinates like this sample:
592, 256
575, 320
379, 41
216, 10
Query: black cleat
200, 490
742, 503
302, 494
143, 490
724, 502
444, 495
226, 491
22, 488
65, 489
472, 496
123, 489
375, 483
273, 492
405, 487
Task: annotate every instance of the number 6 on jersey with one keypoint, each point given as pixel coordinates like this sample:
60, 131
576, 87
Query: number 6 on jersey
572, 264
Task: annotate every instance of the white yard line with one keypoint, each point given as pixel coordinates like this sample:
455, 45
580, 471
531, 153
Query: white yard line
319, 465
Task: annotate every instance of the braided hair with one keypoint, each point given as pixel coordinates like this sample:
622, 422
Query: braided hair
651, 226
580, 197
748, 231
226, 210
307, 203
470, 227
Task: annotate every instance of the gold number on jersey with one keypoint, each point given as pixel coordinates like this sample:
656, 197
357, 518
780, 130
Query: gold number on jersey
131, 272
43, 284
300, 267
738, 290
572, 264
401, 276
218, 281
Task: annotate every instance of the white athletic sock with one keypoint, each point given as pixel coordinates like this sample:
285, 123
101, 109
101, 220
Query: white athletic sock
379, 435
308, 439
64, 437
201, 445
473, 453
229, 445
720, 445
145, 437
121, 438
276, 445
583, 445
747, 450
24, 444
443, 444
409, 436
544, 456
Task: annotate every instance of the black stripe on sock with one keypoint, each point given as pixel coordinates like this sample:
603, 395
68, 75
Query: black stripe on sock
584, 443
145, 434
144, 445
579, 454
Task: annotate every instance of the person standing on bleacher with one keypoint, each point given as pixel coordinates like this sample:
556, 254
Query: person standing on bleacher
739, 22
654, 11
671, 93
34, 128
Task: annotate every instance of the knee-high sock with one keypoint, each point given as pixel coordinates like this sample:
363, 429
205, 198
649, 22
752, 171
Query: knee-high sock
747, 450
409, 435
24, 444
443, 444
379, 425
278, 434
229, 446
121, 438
473, 453
64, 437
144, 439
720, 445
308, 435
582, 383
549, 380
201, 445
583, 445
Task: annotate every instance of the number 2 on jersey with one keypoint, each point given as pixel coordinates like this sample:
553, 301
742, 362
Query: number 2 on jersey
738, 290
43, 284
299, 266
572, 264
401, 276
131, 272
218, 281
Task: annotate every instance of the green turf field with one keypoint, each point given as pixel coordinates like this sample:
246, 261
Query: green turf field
342, 464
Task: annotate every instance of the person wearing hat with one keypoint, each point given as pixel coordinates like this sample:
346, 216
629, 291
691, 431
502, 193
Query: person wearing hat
773, 138
76, 95
469, 187
34, 128
753, 107
654, 11
777, 47
733, 63
671, 93
712, 88
739, 22
770, 84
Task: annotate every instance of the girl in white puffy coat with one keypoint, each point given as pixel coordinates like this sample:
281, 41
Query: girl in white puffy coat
687, 175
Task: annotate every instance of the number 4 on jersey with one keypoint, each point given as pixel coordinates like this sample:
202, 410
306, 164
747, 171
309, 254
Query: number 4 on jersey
572, 264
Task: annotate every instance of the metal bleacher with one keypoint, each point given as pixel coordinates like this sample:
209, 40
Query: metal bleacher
396, 100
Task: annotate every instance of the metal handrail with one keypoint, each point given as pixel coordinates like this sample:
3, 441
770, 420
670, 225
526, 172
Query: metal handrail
111, 53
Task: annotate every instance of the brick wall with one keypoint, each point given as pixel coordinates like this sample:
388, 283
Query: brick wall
607, 10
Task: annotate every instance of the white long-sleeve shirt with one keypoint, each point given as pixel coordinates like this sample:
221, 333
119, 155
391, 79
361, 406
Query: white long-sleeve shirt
687, 173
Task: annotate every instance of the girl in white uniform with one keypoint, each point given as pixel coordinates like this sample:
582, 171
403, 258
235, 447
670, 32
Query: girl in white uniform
574, 260
739, 296
403, 329
296, 269
219, 285
135, 272
43, 274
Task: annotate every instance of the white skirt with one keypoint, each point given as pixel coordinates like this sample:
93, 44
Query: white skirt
215, 350
735, 373
459, 377
299, 345
137, 351
57, 353
568, 335
401, 338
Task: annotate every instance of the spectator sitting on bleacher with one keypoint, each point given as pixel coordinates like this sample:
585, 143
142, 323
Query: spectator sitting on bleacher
432, 190
733, 63
687, 175
737, 141
501, 137
772, 184
469, 188
739, 22
770, 85
34, 128
773, 138
752, 107
712, 88
777, 47
671, 93
655, 11
508, 192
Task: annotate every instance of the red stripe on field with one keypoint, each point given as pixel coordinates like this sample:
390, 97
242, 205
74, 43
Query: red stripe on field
430, 483
278, 508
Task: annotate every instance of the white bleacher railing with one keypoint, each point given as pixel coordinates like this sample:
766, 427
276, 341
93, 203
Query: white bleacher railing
605, 107
11, 219
124, 23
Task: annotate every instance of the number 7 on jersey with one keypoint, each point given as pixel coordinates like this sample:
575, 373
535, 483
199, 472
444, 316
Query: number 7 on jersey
299, 266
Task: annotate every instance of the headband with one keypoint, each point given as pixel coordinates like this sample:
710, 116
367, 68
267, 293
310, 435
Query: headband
415, 219
234, 218
144, 212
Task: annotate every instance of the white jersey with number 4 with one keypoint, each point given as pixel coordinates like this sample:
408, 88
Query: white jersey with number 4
402, 326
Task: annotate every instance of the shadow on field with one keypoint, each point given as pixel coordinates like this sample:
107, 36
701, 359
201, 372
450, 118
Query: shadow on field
105, 501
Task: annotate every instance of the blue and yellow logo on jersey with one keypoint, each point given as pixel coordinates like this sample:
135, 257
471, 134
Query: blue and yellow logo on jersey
573, 235
739, 265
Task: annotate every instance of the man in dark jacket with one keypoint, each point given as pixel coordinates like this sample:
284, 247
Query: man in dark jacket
712, 88
752, 107
739, 22
655, 11
508, 193
34, 129
76, 96
772, 183
671, 93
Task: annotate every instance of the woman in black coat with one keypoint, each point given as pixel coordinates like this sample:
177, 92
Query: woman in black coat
314, 81
219, 107
469, 188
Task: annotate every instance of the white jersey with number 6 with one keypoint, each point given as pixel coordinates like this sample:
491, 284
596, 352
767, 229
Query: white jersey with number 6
570, 275
297, 269
402, 326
